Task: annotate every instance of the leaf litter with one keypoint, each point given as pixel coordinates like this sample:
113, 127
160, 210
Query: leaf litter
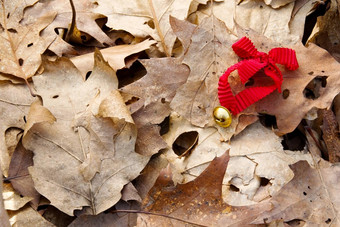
108, 145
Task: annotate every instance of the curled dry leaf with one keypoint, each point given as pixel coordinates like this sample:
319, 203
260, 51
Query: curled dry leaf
330, 130
145, 18
21, 46
114, 55
85, 21
91, 144
197, 202
311, 197
14, 105
12, 200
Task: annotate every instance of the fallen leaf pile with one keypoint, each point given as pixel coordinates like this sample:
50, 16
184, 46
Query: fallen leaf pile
106, 114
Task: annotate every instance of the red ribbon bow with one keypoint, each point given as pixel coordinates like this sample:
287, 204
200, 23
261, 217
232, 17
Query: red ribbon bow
254, 60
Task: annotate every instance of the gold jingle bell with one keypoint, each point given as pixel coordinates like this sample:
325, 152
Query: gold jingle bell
222, 116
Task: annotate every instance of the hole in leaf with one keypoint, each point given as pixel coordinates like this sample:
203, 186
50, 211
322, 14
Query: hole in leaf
328, 221
88, 74
55, 96
234, 188
285, 93
21, 61
132, 100
312, 90
24, 118
304, 193
264, 181
8, 15
151, 24
185, 143
268, 121
165, 126
56, 30
311, 73
30, 44
296, 222
294, 141
163, 100
250, 82
11, 30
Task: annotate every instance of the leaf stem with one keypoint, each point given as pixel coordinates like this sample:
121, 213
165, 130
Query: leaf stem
158, 28
156, 214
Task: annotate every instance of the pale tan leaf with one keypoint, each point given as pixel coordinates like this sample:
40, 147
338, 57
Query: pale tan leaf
21, 46
15, 101
145, 18
27, 216
85, 21
3, 214
91, 144
12, 200
114, 55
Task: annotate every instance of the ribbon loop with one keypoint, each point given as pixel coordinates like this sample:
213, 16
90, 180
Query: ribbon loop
254, 61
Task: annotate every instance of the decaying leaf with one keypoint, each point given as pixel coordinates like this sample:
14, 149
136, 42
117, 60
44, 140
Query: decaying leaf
14, 105
145, 18
91, 143
198, 202
311, 197
85, 20
330, 129
114, 55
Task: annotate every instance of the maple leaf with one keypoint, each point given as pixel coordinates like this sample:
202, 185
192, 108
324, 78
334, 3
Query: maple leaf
91, 143
21, 46
145, 18
114, 55
85, 21
311, 197
198, 202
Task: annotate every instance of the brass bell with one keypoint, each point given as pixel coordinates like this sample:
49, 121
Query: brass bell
222, 116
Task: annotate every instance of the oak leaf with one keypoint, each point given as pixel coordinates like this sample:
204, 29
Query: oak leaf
311, 197
21, 45
90, 145
145, 18
114, 55
85, 22
14, 105
198, 202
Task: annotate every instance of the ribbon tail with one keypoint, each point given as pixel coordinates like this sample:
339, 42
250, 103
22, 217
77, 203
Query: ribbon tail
244, 48
274, 73
248, 68
284, 56
251, 95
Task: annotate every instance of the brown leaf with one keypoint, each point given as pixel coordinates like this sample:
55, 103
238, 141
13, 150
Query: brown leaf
3, 214
18, 174
85, 21
330, 129
90, 145
114, 55
195, 203
312, 197
145, 18
21, 46
14, 104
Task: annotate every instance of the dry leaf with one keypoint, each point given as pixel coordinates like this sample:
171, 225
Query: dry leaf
196, 99
311, 197
12, 200
328, 30
27, 216
198, 202
3, 214
330, 129
18, 174
85, 21
145, 18
21, 46
114, 55
14, 105
91, 144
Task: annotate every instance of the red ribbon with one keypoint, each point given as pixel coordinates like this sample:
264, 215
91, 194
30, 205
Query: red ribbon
254, 60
